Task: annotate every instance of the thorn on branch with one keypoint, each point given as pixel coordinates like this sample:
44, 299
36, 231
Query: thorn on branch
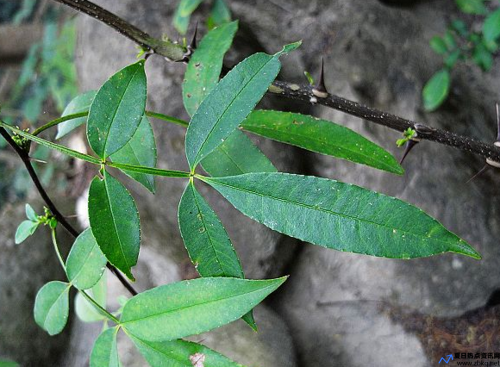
319, 89
486, 168
410, 144
193, 44
490, 163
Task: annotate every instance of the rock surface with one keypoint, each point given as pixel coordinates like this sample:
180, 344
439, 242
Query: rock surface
334, 303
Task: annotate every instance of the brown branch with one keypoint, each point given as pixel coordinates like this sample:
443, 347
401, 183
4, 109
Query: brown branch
306, 93
50, 204
171, 51
293, 91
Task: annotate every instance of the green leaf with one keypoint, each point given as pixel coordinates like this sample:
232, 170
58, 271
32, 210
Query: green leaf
30, 213
79, 104
179, 353
86, 262
7, 363
206, 240
229, 103
183, 14
25, 229
117, 110
219, 14
237, 155
449, 39
460, 27
105, 351
114, 221
472, 6
436, 90
85, 310
452, 58
438, 45
340, 216
192, 307
320, 136
482, 57
52, 307
491, 27
140, 151
203, 70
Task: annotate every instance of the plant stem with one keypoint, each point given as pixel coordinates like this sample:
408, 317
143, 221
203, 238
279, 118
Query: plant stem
90, 299
305, 92
58, 121
170, 50
56, 248
101, 309
73, 116
53, 209
149, 170
171, 119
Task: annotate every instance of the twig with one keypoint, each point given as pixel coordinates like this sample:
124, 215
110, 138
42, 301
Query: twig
170, 50
305, 93
53, 209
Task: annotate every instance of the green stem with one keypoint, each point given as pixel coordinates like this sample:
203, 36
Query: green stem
167, 118
49, 144
99, 307
56, 248
73, 116
58, 121
90, 299
149, 170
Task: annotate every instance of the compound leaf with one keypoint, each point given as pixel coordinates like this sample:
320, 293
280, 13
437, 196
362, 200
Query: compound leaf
86, 262
206, 240
80, 103
183, 14
340, 216
192, 307
436, 90
203, 70
52, 307
25, 229
180, 353
105, 351
230, 102
117, 110
491, 27
139, 151
472, 6
320, 136
85, 310
237, 155
114, 221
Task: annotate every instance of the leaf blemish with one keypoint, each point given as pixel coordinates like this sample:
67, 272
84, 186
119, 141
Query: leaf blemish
197, 360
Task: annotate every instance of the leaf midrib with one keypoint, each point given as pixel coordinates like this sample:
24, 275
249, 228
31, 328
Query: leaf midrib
369, 158
202, 216
117, 108
197, 305
108, 201
328, 211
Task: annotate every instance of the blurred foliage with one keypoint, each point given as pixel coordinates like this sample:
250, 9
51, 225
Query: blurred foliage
474, 40
47, 82
219, 14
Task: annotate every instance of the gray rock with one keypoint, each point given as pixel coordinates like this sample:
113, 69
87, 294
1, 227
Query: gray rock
24, 269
